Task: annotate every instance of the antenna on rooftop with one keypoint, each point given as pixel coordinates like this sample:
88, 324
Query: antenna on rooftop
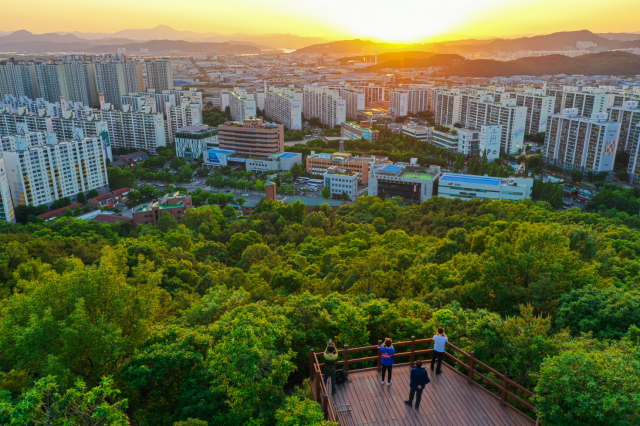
341, 145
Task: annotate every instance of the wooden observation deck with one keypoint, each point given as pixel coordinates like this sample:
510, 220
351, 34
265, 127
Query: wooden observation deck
453, 398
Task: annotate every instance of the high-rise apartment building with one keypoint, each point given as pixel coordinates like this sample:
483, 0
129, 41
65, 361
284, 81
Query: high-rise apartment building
539, 107
586, 144
183, 115
243, 105
7, 213
403, 101
628, 117
324, 104
252, 137
355, 100
18, 79
117, 76
372, 93
446, 107
589, 101
159, 75
284, 105
136, 130
42, 170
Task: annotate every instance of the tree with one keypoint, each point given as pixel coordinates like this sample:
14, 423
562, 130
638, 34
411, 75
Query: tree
326, 193
576, 175
93, 193
589, 387
229, 212
186, 174
301, 412
81, 198
241, 201
177, 163
166, 221
46, 404
119, 178
202, 172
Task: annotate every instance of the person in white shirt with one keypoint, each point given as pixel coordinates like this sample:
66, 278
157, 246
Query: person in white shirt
439, 343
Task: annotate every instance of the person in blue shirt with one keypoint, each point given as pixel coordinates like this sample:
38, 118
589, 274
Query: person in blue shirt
419, 379
387, 352
439, 343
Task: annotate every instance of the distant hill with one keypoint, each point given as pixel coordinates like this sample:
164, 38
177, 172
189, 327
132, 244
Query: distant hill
620, 36
555, 41
357, 46
444, 60
387, 57
25, 41
607, 63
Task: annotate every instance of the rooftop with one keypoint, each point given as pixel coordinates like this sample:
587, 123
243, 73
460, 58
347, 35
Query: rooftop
478, 180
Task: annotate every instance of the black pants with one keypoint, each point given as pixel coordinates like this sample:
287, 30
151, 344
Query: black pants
439, 356
417, 393
331, 374
388, 368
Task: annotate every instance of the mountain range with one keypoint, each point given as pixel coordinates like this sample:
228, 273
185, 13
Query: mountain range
603, 63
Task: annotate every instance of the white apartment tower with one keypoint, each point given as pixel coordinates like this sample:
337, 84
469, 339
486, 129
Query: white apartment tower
355, 100
18, 79
7, 213
404, 101
539, 108
490, 141
243, 105
42, 170
116, 77
586, 144
184, 115
628, 117
325, 104
446, 107
159, 75
284, 105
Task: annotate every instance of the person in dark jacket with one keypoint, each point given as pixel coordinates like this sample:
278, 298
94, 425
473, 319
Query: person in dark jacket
387, 352
330, 359
419, 379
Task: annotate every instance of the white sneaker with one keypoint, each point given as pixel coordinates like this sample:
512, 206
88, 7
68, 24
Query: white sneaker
382, 382
389, 384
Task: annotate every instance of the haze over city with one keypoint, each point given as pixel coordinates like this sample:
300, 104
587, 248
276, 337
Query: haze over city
405, 20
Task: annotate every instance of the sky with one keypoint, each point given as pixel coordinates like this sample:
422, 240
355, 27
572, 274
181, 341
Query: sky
384, 20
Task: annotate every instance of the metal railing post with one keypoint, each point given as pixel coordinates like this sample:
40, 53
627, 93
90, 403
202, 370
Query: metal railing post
503, 397
312, 361
413, 350
346, 358
472, 362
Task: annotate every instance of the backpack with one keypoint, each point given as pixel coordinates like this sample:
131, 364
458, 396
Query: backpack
342, 377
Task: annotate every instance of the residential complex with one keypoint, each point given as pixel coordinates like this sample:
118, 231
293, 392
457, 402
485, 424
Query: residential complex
484, 187
253, 137
539, 107
7, 213
243, 105
628, 117
586, 144
284, 105
324, 104
159, 75
403, 101
408, 181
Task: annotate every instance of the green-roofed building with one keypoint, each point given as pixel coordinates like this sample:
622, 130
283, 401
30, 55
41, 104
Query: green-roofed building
176, 204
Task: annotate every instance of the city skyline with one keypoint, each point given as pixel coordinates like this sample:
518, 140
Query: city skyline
408, 21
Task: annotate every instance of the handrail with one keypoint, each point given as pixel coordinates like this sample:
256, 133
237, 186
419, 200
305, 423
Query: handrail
471, 367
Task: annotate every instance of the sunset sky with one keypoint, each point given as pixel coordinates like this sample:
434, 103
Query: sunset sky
400, 20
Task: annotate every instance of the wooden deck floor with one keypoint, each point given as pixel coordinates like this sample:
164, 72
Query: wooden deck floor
449, 400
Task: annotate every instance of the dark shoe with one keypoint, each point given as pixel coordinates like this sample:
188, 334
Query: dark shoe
408, 403
417, 406
432, 368
334, 392
438, 371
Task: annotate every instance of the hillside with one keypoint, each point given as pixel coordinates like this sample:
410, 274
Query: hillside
388, 57
555, 41
445, 60
357, 46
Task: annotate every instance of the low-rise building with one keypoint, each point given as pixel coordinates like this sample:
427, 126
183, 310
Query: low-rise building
192, 141
483, 187
279, 161
421, 133
110, 199
445, 140
175, 204
319, 163
354, 131
341, 182
252, 137
408, 181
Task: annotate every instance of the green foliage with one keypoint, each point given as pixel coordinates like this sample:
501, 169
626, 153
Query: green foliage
82, 198
301, 412
326, 193
120, 178
166, 221
589, 386
576, 175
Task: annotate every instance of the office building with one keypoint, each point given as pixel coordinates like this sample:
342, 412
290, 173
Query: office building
539, 108
351, 130
318, 164
421, 133
7, 213
253, 137
586, 144
279, 161
324, 104
159, 75
243, 105
284, 105
408, 181
175, 204
191, 142
42, 169
484, 187
341, 182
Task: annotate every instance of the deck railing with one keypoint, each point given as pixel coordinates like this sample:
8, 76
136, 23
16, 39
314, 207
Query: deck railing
504, 385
